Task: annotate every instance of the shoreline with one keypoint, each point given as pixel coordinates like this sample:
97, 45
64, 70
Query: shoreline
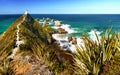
62, 33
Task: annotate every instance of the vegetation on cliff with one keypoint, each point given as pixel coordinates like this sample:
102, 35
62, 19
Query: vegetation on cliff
95, 56
41, 55
38, 50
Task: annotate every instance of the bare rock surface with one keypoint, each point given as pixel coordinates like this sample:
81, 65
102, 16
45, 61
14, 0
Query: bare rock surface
61, 31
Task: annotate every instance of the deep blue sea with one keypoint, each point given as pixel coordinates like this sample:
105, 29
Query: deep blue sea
79, 23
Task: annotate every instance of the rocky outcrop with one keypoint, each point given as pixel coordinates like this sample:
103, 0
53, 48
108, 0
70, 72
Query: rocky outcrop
74, 41
37, 19
61, 31
45, 23
70, 38
57, 23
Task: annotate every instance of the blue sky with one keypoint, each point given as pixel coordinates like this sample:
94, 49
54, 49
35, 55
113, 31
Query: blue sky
60, 6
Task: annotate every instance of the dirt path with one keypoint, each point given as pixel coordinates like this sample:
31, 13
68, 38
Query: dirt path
18, 41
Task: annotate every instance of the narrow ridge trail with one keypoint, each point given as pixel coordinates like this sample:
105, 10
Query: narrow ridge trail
18, 41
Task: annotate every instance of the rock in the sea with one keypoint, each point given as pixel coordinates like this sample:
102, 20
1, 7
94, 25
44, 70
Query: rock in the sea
61, 31
37, 19
74, 41
70, 38
45, 23
57, 23
52, 20
65, 46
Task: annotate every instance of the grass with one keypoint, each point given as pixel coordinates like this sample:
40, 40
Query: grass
91, 58
112, 67
100, 57
51, 56
35, 37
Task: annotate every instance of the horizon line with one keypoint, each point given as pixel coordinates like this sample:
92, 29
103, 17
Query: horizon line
62, 13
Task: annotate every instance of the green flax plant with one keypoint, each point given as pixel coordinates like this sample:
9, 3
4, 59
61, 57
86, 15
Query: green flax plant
90, 58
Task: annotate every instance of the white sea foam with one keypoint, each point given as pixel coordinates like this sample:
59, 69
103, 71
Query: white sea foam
69, 45
80, 42
40, 22
51, 23
66, 27
92, 34
63, 41
63, 38
60, 37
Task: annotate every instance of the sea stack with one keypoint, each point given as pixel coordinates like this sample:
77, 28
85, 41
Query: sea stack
52, 20
45, 23
47, 18
61, 31
57, 23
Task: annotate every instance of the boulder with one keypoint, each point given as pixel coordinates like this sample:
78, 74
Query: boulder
52, 20
70, 38
57, 23
61, 31
45, 23
74, 41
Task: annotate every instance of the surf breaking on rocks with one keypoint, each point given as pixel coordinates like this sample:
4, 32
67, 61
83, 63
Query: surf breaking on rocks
62, 39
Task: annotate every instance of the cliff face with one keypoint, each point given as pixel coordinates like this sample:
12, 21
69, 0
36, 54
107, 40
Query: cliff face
27, 48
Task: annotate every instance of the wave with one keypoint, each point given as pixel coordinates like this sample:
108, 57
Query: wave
40, 22
63, 38
92, 34
66, 27
49, 23
60, 37
65, 45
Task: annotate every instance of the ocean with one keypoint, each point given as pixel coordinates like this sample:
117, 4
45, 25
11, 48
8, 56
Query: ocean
76, 24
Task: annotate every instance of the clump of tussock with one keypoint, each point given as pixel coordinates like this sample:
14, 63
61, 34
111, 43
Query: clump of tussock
95, 54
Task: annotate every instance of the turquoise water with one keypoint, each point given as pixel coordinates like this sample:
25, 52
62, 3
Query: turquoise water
6, 21
78, 23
